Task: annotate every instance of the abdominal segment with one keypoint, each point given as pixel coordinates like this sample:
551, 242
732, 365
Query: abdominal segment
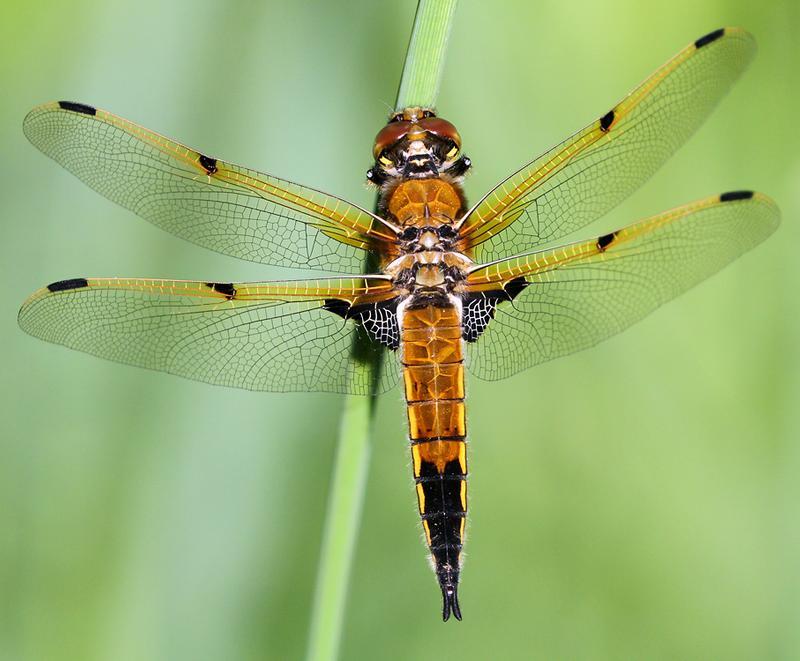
433, 374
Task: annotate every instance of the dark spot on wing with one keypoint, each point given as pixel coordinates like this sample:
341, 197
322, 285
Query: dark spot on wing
209, 164
478, 308
606, 240
736, 195
65, 285
514, 287
707, 39
606, 121
337, 306
225, 288
379, 320
77, 107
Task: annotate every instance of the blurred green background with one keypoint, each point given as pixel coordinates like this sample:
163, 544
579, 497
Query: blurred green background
640, 500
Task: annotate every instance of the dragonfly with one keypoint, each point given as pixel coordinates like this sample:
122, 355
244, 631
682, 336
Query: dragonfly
494, 287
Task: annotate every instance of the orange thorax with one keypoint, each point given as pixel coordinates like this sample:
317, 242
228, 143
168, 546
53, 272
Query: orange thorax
415, 199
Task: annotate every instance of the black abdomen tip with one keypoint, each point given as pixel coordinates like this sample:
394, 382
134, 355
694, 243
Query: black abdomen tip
66, 285
77, 107
736, 195
708, 38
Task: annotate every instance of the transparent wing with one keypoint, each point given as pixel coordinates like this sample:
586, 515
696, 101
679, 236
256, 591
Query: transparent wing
277, 336
585, 176
572, 297
218, 205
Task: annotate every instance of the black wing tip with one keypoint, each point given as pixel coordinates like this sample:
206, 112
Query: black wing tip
709, 38
82, 108
736, 195
66, 285
450, 602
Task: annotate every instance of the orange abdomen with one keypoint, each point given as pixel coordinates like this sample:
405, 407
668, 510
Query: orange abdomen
432, 358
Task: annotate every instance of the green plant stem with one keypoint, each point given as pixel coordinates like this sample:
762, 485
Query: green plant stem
341, 527
422, 72
419, 85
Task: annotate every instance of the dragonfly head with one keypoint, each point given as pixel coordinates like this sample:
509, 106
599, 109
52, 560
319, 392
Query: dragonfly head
416, 144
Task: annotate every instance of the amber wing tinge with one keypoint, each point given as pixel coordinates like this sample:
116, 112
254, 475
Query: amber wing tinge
588, 174
218, 205
582, 293
275, 336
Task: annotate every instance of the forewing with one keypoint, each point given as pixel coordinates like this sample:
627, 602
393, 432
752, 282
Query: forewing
580, 294
218, 205
276, 336
585, 176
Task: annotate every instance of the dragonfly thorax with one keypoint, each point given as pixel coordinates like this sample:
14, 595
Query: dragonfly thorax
429, 270
428, 237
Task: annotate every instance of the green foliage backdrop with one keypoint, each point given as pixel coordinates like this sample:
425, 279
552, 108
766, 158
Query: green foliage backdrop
640, 500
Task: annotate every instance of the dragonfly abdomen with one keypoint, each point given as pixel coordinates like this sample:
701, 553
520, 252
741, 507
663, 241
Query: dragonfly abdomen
433, 374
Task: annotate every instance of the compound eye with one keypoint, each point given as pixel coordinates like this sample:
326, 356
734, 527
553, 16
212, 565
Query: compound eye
442, 129
409, 234
389, 136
